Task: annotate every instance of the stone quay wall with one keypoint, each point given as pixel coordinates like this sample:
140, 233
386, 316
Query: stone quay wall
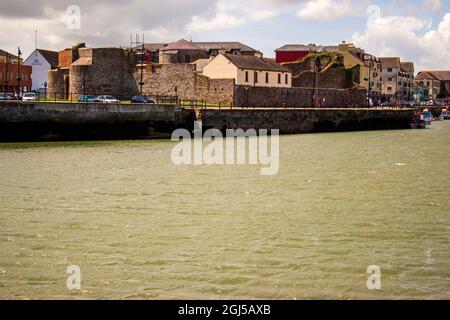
295, 121
20, 121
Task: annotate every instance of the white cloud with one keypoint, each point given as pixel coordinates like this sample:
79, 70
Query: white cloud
221, 20
410, 38
261, 15
433, 5
160, 21
229, 14
324, 10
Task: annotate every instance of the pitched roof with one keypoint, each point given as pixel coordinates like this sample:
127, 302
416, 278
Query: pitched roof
153, 46
205, 46
181, 45
254, 63
359, 59
407, 66
390, 62
228, 46
201, 63
3, 53
51, 57
83, 62
434, 75
309, 47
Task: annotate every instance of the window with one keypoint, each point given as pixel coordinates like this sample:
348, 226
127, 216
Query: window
256, 76
286, 79
389, 69
187, 59
389, 79
389, 88
267, 77
246, 76
279, 78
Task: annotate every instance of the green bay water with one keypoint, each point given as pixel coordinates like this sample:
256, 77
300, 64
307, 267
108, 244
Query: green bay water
140, 227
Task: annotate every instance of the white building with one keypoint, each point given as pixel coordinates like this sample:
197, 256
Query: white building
41, 61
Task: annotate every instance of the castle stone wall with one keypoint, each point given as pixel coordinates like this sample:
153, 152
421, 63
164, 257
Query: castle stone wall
110, 72
183, 81
246, 96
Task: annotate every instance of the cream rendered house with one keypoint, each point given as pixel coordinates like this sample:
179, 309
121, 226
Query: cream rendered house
370, 67
249, 71
391, 77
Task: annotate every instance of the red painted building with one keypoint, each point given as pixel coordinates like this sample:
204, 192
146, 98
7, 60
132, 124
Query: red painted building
14, 78
294, 52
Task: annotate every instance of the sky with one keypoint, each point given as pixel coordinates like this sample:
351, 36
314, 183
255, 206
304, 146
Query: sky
415, 30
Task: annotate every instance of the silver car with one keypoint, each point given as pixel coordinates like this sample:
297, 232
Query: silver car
29, 97
107, 99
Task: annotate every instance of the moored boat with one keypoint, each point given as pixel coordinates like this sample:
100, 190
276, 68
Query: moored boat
418, 121
427, 116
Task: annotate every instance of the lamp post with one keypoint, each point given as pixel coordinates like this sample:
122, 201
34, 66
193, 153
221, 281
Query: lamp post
316, 81
141, 84
45, 90
84, 83
19, 93
6, 69
370, 85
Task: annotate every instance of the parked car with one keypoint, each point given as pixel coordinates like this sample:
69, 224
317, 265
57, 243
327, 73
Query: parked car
141, 99
88, 99
29, 97
107, 99
7, 96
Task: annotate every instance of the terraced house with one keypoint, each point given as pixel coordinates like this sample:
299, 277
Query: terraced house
390, 75
366, 66
14, 76
437, 83
406, 81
